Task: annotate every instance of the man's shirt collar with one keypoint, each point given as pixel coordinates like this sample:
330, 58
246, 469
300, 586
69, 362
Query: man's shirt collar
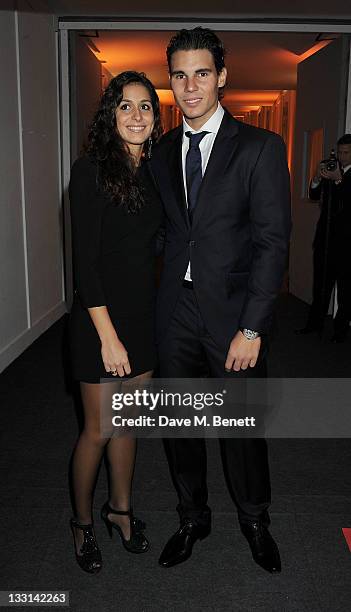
212, 124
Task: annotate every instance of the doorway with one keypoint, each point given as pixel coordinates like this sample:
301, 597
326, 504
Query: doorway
270, 104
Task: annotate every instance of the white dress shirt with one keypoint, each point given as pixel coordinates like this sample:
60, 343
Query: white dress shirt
212, 126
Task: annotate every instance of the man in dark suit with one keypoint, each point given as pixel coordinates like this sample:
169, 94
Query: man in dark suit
225, 188
332, 243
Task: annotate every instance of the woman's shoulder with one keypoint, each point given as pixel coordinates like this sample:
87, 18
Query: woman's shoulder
83, 180
83, 175
83, 165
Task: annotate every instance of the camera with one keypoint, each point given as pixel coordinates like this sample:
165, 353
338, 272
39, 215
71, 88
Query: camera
331, 164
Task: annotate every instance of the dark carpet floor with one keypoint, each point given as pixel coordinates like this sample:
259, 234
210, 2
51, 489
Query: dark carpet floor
311, 484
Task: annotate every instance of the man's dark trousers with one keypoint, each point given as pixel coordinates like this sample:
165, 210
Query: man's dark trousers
188, 350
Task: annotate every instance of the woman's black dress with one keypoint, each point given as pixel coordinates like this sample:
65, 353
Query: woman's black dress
114, 266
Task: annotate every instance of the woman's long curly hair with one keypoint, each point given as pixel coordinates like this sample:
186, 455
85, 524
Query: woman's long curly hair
116, 175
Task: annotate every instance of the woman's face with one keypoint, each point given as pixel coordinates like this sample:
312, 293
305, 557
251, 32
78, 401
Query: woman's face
134, 115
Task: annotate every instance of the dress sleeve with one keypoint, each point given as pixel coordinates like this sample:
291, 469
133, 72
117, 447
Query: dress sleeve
86, 217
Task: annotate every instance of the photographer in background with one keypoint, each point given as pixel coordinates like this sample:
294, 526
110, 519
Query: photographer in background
332, 242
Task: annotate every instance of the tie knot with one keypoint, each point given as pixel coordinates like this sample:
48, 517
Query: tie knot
195, 139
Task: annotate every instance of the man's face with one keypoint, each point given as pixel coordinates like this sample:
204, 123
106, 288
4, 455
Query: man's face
344, 154
195, 83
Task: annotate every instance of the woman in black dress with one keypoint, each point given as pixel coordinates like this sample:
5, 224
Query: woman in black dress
114, 224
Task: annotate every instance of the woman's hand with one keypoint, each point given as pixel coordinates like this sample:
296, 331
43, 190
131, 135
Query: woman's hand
113, 353
115, 356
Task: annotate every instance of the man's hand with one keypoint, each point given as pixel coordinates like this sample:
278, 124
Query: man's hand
333, 175
243, 353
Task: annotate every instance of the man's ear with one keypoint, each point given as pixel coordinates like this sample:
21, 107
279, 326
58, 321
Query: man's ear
222, 77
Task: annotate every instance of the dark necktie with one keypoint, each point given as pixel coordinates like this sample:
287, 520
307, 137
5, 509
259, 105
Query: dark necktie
193, 170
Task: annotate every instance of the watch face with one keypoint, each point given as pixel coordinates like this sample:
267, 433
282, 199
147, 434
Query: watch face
250, 334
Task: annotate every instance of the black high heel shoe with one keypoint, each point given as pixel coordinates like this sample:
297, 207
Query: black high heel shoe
89, 559
137, 542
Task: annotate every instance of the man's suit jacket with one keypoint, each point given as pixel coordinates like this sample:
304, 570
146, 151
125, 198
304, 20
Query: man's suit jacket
340, 210
238, 241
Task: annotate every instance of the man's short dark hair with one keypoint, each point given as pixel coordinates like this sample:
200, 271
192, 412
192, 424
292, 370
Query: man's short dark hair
197, 38
345, 139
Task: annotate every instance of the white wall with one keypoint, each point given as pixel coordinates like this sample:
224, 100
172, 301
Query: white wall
13, 307
31, 271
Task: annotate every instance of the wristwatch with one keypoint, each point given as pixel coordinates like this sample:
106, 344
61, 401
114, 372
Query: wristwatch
249, 333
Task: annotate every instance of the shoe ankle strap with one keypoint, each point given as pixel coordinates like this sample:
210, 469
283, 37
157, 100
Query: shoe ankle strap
85, 527
119, 512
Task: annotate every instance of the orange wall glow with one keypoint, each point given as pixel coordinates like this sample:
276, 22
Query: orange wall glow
166, 96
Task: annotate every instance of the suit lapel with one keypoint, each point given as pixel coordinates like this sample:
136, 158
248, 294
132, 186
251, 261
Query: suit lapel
221, 156
174, 161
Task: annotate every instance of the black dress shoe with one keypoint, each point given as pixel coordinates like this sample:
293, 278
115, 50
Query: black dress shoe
179, 547
264, 549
